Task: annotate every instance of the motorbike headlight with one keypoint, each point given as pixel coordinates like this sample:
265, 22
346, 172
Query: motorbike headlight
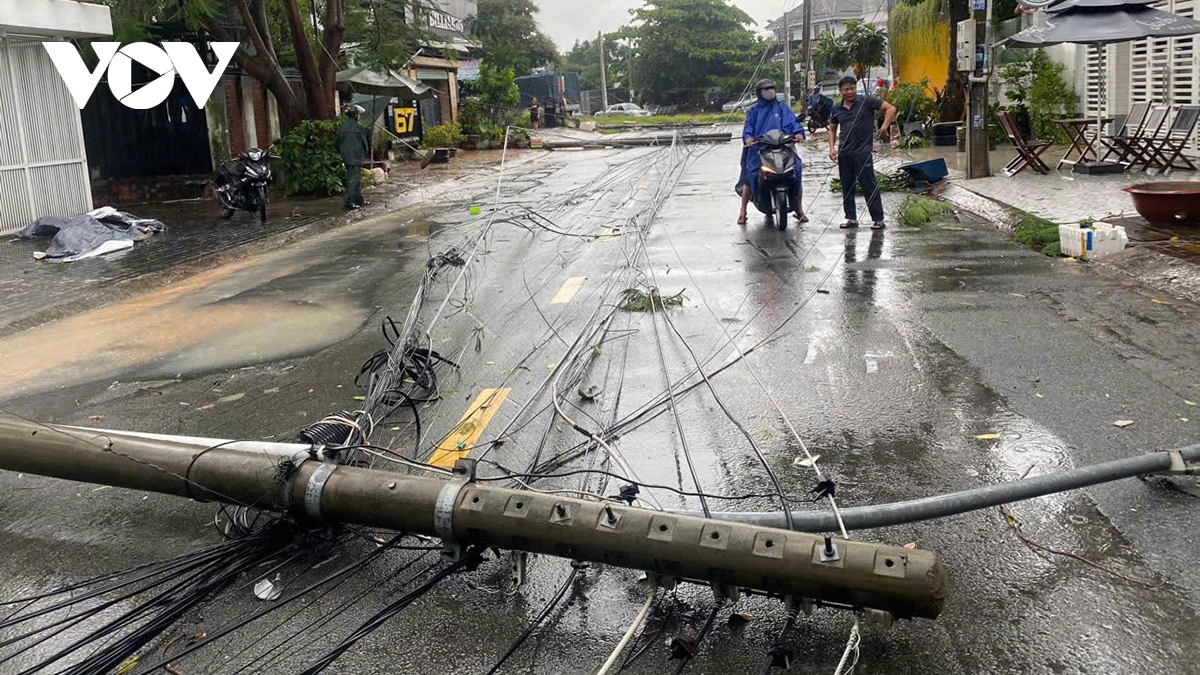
767, 169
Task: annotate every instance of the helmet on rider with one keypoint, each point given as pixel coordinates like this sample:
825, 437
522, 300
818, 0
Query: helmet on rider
765, 90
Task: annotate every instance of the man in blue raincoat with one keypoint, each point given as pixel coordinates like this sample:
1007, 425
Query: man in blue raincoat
767, 114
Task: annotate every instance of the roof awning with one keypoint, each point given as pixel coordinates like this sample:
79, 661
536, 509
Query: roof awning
375, 83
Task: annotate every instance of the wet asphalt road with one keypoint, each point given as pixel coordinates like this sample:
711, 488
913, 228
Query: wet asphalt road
925, 341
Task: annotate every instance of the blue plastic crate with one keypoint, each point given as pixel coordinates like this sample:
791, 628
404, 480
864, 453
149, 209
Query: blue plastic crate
930, 171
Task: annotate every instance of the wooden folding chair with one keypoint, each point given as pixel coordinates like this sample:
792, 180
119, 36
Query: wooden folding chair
1139, 148
1129, 128
1028, 152
1164, 151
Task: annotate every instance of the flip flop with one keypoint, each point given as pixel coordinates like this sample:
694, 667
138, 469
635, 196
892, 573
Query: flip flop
741, 220
802, 218
878, 226
848, 225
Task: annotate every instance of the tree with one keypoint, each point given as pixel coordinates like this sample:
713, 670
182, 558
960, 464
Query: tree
510, 36
688, 47
279, 34
584, 58
861, 48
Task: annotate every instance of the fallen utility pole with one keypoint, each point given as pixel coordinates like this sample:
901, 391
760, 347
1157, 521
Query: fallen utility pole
636, 141
464, 511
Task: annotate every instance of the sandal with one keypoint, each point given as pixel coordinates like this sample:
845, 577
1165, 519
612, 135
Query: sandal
801, 218
878, 226
849, 224
741, 220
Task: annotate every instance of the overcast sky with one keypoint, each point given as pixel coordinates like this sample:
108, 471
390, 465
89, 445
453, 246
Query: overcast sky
566, 21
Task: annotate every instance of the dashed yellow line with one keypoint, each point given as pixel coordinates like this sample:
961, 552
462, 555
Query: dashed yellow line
568, 291
466, 433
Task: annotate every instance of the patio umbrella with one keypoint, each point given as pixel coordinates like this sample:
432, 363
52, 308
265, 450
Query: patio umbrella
1103, 22
387, 83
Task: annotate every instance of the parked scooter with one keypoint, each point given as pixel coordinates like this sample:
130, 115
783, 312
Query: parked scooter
242, 183
777, 192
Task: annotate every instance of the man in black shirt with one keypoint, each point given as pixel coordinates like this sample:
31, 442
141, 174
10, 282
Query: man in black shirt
853, 152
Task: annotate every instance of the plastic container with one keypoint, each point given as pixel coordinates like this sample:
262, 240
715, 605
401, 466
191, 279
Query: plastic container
1095, 241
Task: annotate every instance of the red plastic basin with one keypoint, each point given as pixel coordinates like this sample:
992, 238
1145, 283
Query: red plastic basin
1168, 203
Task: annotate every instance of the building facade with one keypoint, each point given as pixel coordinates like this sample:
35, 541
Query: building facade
828, 16
438, 64
43, 162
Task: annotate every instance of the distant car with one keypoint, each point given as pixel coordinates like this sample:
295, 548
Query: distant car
624, 110
740, 105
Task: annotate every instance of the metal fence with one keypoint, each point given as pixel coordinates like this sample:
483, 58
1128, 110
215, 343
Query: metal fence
43, 166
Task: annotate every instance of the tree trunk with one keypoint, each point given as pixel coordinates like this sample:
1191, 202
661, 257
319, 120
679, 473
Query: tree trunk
318, 106
265, 69
954, 103
335, 29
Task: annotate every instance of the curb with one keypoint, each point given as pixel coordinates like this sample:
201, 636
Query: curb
1156, 271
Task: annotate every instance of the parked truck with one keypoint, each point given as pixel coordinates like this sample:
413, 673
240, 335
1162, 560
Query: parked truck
556, 93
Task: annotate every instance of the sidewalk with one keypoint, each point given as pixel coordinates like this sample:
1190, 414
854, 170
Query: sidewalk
1167, 260
196, 238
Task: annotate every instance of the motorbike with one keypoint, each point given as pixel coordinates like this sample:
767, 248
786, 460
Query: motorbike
242, 183
777, 193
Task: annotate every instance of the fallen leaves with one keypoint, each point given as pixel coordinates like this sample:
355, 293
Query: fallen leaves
987, 437
232, 397
1121, 424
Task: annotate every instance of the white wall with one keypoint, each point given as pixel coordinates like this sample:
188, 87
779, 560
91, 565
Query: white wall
54, 18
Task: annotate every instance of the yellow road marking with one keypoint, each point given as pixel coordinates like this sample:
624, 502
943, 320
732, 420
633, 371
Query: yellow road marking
568, 291
466, 433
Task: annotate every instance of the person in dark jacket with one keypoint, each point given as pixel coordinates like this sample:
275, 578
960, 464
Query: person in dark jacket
767, 114
353, 146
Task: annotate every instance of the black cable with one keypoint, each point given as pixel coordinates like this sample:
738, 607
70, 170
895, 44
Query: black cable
382, 616
683, 663
509, 474
258, 614
562, 591
321, 620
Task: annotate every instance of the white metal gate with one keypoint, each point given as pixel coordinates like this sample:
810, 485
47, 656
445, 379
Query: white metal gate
43, 163
1165, 70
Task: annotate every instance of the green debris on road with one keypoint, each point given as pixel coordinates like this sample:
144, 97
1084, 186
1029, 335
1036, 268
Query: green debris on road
650, 300
888, 182
1037, 233
918, 211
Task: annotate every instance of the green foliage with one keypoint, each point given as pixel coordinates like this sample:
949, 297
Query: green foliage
913, 102
1037, 233
1039, 94
918, 211
510, 35
861, 48
497, 85
888, 182
687, 47
650, 300
584, 58
310, 158
444, 136
828, 54
916, 19
382, 35
913, 142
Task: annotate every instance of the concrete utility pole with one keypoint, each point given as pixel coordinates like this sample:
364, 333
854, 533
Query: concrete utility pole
630, 70
806, 48
888, 581
978, 165
787, 59
603, 74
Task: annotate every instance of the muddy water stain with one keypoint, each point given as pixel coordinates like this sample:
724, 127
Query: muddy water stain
281, 304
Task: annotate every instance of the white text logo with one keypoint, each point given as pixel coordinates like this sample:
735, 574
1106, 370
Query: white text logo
170, 58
